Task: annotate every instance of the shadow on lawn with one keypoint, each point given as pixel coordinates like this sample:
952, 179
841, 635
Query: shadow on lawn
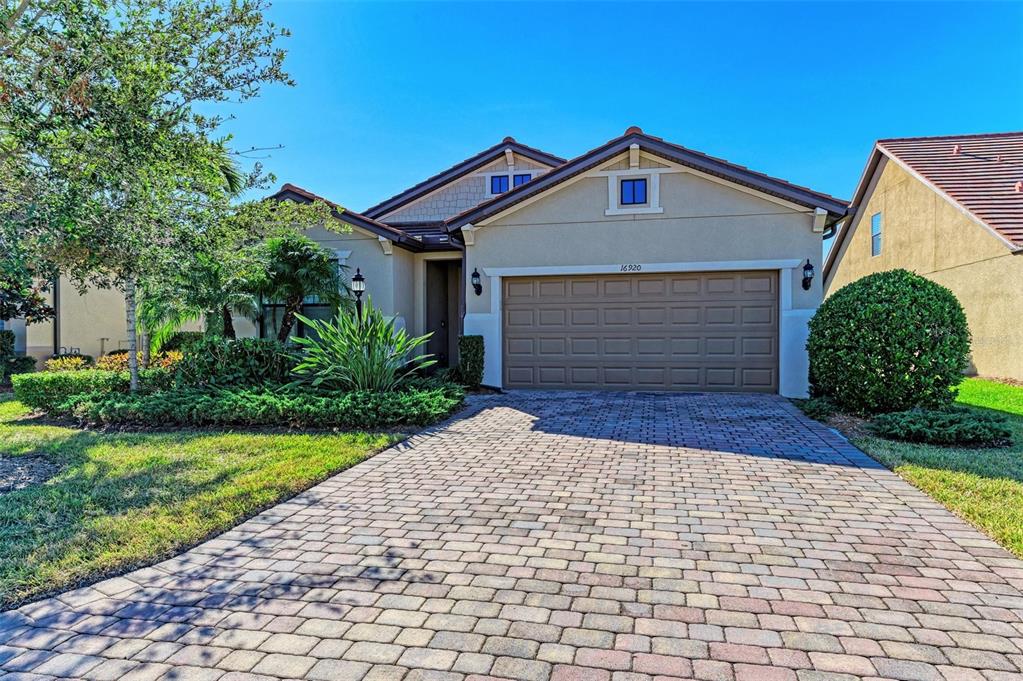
82, 503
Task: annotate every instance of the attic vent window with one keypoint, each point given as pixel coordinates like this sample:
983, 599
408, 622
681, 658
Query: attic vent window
498, 184
633, 192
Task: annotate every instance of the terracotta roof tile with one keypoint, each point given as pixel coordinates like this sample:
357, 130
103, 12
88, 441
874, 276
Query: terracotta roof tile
978, 172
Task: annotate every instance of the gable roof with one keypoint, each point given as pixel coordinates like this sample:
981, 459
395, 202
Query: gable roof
976, 173
460, 169
732, 172
401, 238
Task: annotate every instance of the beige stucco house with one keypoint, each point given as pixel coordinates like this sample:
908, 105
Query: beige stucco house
639, 265
950, 209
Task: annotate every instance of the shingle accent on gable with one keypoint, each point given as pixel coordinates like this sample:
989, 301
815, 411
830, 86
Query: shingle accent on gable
469, 165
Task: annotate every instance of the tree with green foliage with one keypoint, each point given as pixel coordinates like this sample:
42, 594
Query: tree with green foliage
214, 286
297, 268
109, 157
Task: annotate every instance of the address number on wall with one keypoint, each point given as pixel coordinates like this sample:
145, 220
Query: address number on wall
631, 268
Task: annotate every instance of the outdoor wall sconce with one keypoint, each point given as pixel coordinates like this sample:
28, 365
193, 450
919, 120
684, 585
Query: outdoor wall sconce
807, 275
477, 285
358, 286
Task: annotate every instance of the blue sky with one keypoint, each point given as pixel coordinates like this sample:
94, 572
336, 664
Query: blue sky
388, 94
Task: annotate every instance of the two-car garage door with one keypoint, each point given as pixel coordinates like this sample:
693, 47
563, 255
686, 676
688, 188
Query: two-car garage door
685, 331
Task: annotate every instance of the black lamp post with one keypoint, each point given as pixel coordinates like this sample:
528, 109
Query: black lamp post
807, 275
477, 285
358, 286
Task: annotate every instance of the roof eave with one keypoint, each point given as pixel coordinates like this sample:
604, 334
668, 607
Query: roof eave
290, 192
836, 208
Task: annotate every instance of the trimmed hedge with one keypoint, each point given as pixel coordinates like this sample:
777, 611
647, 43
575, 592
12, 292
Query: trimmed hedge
247, 361
49, 390
470, 361
948, 427
888, 342
268, 406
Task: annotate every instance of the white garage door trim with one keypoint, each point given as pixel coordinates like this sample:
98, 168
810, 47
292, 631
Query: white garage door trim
792, 332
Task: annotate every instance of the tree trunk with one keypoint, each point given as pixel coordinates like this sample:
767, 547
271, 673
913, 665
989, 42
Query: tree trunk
291, 307
228, 323
146, 349
133, 346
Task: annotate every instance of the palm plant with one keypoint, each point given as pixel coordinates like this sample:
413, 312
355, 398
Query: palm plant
296, 268
349, 354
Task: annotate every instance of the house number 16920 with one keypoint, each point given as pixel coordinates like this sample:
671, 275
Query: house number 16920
631, 268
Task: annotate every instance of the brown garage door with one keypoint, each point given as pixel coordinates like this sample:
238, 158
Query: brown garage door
687, 331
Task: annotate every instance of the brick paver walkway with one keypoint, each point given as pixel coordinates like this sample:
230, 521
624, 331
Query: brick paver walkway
566, 536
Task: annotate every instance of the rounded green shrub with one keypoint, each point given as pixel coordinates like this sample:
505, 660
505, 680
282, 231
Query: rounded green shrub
948, 427
888, 342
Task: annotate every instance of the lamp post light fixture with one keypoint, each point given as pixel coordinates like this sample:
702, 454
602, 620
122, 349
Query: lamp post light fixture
358, 286
807, 275
477, 285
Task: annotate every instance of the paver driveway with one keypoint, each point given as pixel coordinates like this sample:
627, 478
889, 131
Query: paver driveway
567, 536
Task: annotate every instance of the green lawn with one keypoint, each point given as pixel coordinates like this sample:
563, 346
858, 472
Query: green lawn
122, 500
984, 486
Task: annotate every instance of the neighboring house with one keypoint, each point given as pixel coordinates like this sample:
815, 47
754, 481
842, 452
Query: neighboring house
639, 265
950, 209
93, 323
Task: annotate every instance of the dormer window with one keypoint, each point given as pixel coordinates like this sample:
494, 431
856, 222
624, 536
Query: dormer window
522, 178
633, 192
498, 184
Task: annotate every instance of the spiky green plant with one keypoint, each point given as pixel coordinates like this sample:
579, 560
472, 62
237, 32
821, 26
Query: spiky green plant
349, 354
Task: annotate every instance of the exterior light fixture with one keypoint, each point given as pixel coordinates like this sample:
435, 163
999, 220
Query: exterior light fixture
358, 287
477, 285
807, 275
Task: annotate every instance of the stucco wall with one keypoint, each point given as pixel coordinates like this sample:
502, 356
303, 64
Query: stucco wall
703, 222
924, 233
368, 256
85, 319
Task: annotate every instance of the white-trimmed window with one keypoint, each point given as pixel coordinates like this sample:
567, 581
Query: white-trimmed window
499, 183
875, 234
633, 191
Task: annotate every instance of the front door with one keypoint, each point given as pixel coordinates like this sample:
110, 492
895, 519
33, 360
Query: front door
442, 277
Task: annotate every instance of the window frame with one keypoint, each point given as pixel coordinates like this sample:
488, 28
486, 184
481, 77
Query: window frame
515, 179
507, 184
876, 234
633, 183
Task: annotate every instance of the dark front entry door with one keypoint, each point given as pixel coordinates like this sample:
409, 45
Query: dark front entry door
442, 278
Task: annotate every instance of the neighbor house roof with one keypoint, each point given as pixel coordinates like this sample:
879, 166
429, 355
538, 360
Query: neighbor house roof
407, 240
458, 170
982, 175
732, 172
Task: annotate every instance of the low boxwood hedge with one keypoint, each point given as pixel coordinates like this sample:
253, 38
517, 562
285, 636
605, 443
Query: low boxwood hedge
948, 427
242, 362
268, 406
49, 390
